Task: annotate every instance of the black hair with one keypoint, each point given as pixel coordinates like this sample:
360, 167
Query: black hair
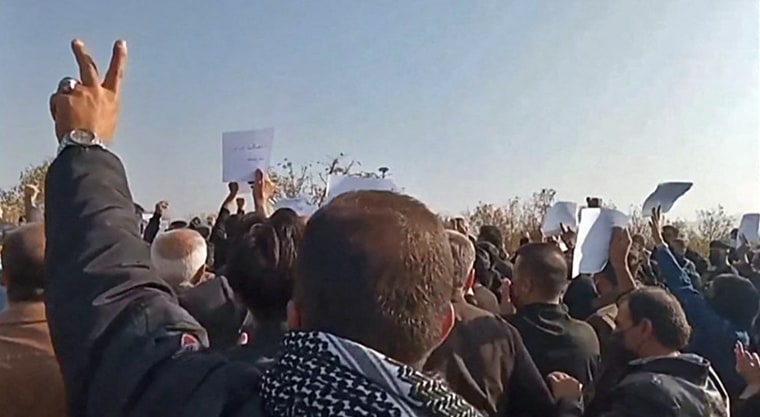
663, 310
736, 299
376, 267
546, 265
491, 234
262, 262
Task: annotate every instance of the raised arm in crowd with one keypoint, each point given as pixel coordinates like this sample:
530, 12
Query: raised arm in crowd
367, 307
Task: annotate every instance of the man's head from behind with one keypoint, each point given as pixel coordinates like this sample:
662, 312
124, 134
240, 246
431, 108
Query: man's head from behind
375, 267
491, 234
540, 274
735, 298
23, 259
651, 322
463, 254
262, 264
179, 257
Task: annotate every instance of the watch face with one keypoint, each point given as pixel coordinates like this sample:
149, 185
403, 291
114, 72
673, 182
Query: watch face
82, 137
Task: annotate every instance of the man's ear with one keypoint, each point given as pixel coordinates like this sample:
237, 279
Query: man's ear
470, 282
198, 277
447, 322
294, 316
647, 330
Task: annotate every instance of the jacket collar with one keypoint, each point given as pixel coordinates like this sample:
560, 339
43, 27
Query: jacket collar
23, 313
687, 366
546, 310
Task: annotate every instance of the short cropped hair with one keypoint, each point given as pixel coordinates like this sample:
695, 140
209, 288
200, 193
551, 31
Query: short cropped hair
23, 259
375, 267
665, 313
463, 254
178, 255
491, 234
546, 265
262, 264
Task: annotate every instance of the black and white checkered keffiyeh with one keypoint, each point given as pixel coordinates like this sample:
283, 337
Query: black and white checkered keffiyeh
319, 374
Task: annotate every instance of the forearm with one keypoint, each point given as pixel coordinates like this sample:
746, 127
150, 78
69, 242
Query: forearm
151, 230
101, 293
219, 231
625, 279
263, 209
32, 212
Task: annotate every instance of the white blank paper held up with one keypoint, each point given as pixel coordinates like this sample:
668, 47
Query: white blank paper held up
592, 245
749, 227
664, 196
244, 152
559, 214
341, 184
302, 206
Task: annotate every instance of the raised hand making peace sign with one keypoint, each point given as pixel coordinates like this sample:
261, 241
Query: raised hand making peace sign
90, 104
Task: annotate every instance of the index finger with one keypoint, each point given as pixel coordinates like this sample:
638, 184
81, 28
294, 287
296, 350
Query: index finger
116, 67
88, 73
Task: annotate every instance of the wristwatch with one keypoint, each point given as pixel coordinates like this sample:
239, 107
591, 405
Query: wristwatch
80, 137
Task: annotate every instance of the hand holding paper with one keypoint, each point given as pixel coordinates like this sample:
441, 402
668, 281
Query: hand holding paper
749, 229
561, 215
664, 196
592, 248
655, 223
620, 246
262, 186
244, 152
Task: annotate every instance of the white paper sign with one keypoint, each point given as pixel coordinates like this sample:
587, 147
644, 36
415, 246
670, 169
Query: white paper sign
561, 213
302, 206
341, 184
749, 227
592, 246
664, 196
244, 152
618, 218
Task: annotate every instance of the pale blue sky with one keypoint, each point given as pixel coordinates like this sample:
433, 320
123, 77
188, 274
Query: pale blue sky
464, 100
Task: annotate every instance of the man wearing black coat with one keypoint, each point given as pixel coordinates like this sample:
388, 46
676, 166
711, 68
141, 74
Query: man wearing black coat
652, 327
126, 348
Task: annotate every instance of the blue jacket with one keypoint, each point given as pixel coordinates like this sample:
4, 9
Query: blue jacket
713, 336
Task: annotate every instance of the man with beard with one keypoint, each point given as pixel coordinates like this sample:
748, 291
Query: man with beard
720, 318
661, 381
671, 233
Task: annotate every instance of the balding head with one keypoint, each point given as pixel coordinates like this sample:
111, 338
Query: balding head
463, 253
179, 257
23, 258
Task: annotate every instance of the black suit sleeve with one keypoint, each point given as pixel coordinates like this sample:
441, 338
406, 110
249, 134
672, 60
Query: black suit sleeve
117, 330
528, 392
151, 230
219, 231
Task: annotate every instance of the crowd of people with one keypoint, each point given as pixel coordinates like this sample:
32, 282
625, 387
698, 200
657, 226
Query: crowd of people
370, 307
